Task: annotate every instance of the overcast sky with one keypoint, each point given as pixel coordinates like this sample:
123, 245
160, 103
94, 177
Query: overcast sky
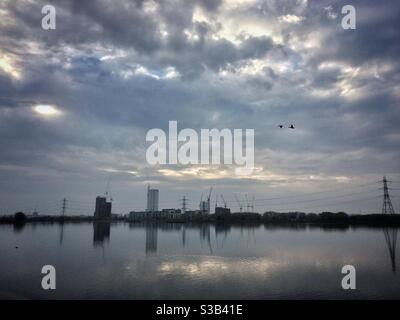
115, 69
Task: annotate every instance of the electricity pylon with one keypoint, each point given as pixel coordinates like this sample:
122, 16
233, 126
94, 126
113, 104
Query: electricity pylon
63, 207
387, 207
184, 202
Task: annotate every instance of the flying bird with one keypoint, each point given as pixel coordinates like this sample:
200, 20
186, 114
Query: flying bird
291, 127
280, 126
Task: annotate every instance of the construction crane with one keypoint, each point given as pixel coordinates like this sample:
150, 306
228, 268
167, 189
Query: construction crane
247, 203
201, 202
208, 201
223, 200
240, 205
107, 190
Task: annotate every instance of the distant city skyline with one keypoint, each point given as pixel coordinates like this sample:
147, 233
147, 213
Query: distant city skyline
76, 102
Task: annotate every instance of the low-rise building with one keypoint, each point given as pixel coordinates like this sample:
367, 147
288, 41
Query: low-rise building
222, 211
137, 215
170, 213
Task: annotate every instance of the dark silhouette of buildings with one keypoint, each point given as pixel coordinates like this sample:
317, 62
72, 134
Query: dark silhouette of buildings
221, 210
103, 208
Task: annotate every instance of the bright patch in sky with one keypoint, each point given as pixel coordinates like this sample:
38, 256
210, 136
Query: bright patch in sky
7, 66
46, 110
291, 18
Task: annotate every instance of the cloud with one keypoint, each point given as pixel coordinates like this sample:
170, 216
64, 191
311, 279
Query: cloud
118, 68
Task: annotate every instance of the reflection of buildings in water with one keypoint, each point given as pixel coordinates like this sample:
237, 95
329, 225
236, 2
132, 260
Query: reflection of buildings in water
204, 232
205, 235
221, 229
18, 226
391, 242
251, 236
250, 233
151, 238
61, 233
151, 229
101, 232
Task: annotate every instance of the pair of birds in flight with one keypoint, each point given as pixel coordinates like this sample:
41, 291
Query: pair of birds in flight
290, 127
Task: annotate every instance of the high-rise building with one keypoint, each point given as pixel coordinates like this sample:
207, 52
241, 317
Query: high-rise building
152, 200
103, 208
204, 207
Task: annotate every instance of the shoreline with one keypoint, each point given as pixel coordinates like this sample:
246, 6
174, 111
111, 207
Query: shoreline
339, 221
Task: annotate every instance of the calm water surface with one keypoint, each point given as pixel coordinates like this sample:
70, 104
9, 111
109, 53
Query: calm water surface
137, 261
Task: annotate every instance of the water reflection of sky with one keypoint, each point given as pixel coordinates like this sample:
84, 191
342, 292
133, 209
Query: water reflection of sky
173, 261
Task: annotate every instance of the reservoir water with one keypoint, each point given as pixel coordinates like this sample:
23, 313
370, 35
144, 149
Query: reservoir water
177, 261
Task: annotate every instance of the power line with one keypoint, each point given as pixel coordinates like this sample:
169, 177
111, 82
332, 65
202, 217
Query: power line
312, 193
333, 203
327, 198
